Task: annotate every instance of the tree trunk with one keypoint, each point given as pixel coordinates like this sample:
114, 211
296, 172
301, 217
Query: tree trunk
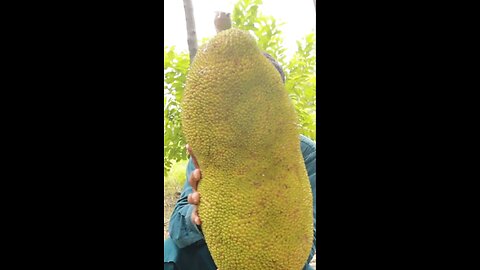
191, 32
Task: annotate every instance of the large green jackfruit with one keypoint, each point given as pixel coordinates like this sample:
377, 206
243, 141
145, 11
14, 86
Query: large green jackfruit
256, 201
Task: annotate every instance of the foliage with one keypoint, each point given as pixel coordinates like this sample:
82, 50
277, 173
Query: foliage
299, 72
175, 68
301, 84
246, 16
176, 176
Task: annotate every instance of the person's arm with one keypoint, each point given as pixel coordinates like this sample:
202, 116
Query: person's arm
309, 153
183, 231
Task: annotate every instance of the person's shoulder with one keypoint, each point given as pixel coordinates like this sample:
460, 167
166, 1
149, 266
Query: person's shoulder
307, 144
309, 153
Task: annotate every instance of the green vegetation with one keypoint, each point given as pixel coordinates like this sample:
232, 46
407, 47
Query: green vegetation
176, 177
299, 72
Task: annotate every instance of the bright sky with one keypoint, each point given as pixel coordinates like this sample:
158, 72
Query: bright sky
298, 16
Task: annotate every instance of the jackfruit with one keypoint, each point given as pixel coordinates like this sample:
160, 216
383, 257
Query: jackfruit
256, 201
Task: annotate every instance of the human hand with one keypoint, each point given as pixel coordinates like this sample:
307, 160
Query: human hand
194, 179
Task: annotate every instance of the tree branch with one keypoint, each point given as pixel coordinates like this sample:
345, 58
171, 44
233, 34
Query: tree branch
191, 32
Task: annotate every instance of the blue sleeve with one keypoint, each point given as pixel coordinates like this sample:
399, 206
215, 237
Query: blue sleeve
181, 228
309, 152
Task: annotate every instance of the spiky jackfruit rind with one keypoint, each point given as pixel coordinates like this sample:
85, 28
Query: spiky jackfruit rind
256, 202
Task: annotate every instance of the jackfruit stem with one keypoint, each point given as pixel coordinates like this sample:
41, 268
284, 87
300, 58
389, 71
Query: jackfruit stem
222, 21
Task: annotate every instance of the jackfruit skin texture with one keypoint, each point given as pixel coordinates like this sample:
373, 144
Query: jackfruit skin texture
256, 201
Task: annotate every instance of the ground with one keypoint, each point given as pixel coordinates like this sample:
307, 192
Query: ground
170, 197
